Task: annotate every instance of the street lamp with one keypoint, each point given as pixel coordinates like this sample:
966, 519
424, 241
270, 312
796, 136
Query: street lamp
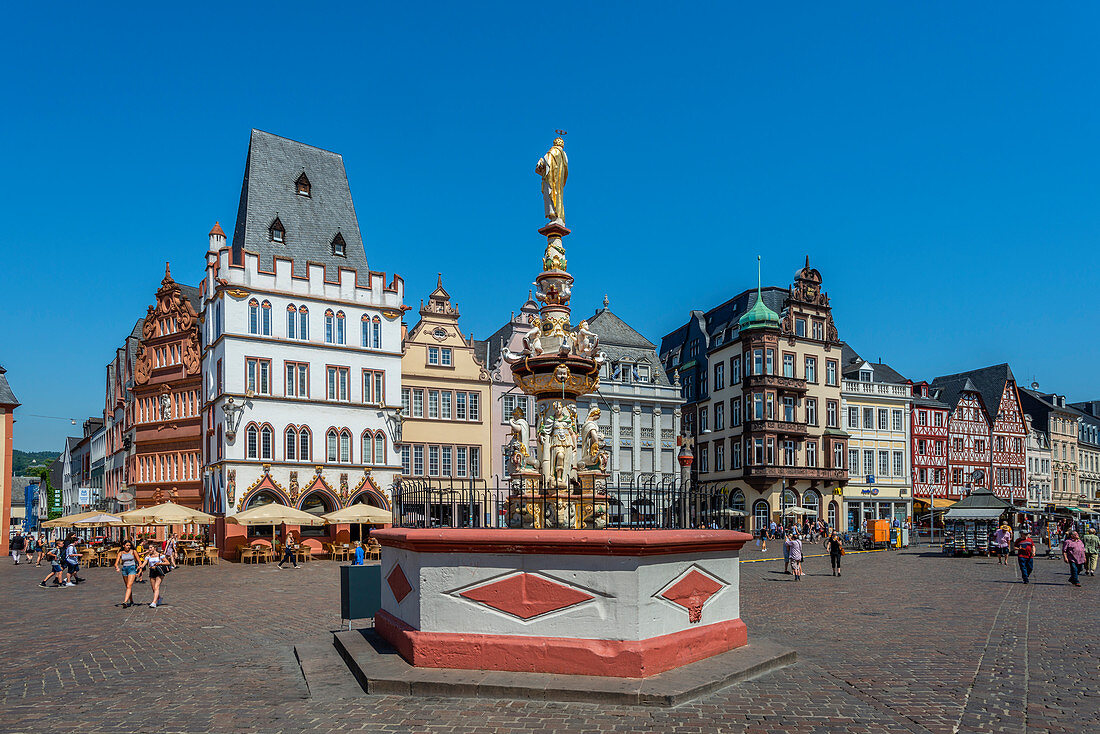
233, 415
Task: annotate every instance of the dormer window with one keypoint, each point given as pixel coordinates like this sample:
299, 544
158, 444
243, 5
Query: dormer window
277, 231
339, 247
302, 185
865, 375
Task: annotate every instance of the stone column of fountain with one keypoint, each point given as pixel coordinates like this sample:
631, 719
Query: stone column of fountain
563, 483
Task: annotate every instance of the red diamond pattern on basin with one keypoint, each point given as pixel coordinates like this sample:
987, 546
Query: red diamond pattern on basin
692, 592
526, 596
399, 585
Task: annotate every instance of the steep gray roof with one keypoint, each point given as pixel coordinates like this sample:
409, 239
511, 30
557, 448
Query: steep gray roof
613, 331
7, 397
311, 222
723, 316
481, 351
192, 294
988, 381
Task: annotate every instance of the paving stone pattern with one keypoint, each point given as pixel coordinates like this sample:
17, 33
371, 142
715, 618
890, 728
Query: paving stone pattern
904, 642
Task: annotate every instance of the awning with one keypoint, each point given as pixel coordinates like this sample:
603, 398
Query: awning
937, 502
977, 513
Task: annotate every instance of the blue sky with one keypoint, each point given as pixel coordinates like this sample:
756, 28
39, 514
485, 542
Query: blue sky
937, 161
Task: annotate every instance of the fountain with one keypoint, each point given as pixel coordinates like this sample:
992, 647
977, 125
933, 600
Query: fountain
562, 485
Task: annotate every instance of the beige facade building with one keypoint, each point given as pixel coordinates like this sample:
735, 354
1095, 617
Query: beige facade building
445, 398
1051, 413
877, 405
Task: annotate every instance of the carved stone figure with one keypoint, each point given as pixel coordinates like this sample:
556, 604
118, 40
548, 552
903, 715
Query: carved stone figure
554, 169
560, 514
557, 446
344, 488
532, 340
231, 487
191, 359
518, 453
591, 441
294, 488
587, 342
165, 407
143, 365
521, 517
510, 357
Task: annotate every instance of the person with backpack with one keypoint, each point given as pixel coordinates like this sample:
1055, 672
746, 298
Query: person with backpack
53, 555
72, 562
1025, 555
1073, 553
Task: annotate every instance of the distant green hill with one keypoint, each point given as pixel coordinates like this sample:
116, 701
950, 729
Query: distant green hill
21, 460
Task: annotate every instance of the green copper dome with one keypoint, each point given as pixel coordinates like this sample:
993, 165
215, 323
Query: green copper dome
759, 316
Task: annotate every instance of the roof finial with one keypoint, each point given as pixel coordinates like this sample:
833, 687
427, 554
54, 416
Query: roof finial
439, 281
758, 297
606, 301
807, 262
167, 274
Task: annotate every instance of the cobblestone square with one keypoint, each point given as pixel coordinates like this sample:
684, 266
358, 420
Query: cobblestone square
903, 642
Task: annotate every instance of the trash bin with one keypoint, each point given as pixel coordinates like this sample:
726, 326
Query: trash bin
360, 592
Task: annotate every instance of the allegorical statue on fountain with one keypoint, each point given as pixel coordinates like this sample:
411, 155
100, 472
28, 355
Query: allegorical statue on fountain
561, 483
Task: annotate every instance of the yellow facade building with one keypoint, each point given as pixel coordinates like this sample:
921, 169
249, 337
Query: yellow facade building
445, 394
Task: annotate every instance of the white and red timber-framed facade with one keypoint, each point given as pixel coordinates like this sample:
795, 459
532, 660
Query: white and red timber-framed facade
165, 463
987, 431
118, 422
761, 375
302, 343
929, 446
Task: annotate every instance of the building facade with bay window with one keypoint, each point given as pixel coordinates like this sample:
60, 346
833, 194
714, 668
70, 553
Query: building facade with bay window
301, 358
761, 377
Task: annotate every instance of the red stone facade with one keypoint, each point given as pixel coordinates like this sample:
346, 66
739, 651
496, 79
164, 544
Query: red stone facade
166, 463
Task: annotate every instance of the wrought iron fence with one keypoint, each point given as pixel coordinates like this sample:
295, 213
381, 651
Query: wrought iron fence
640, 503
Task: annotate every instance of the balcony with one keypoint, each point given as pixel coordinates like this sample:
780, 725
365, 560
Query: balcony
786, 428
789, 384
758, 471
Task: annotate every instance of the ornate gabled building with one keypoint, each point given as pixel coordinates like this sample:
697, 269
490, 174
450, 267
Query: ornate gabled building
968, 431
166, 461
761, 378
1051, 414
445, 397
506, 396
1006, 465
301, 358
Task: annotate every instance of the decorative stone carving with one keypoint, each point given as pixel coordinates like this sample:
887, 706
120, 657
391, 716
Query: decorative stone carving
143, 365
344, 488
557, 440
192, 361
294, 488
165, 407
231, 487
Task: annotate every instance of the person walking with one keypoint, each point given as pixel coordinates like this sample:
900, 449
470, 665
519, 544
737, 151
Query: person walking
127, 564
16, 546
158, 566
793, 545
1001, 538
288, 552
1073, 553
53, 555
40, 549
72, 562
360, 553
836, 550
1091, 541
1025, 555
786, 553
763, 540
170, 549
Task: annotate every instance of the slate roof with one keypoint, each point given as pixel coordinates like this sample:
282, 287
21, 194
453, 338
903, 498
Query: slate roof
311, 222
614, 331
7, 397
725, 315
988, 381
1039, 407
192, 294
981, 498
481, 351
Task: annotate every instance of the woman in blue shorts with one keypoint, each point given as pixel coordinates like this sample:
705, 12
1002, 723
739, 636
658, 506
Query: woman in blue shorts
127, 564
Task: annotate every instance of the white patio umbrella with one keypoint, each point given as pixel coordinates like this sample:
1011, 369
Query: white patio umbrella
274, 514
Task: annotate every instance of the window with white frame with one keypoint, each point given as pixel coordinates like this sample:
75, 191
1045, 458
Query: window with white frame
433, 404
405, 402
869, 418
305, 450
252, 442
853, 416
475, 406
297, 380
446, 358
811, 453
897, 420
406, 460
445, 405
417, 403
374, 392
883, 464
853, 461
460, 461
338, 388
868, 462
447, 465
433, 355
258, 375
460, 406
332, 444
883, 419
267, 443
418, 461
433, 461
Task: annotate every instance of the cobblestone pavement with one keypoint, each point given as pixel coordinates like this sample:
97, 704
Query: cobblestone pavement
903, 642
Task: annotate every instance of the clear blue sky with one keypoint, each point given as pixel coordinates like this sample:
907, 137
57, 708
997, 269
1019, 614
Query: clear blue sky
938, 162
